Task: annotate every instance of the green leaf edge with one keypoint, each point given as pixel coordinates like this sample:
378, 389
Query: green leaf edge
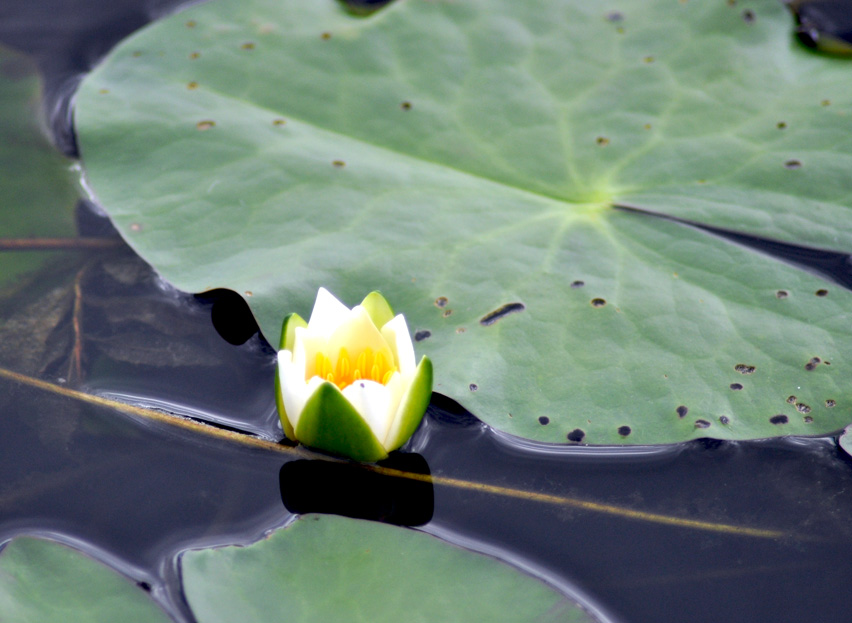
288, 330
329, 422
279, 404
412, 408
288, 339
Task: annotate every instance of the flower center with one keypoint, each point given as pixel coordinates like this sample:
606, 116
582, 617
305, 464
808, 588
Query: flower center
368, 366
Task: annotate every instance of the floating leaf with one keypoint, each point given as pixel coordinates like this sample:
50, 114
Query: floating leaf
44, 581
467, 158
37, 195
329, 568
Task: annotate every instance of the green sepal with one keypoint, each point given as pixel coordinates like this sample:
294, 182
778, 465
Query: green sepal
413, 405
329, 422
279, 402
378, 308
288, 331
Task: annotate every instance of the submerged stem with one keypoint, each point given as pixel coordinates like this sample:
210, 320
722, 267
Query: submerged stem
546, 498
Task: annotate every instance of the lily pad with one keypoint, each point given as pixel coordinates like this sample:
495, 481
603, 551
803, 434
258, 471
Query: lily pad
37, 193
328, 568
45, 581
468, 160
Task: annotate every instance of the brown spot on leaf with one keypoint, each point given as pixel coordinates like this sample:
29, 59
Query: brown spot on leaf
501, 312
576, 435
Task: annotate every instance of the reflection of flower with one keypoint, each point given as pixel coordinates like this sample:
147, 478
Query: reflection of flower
347, 381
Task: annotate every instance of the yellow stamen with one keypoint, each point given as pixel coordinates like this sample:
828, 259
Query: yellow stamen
367, 366
343, 367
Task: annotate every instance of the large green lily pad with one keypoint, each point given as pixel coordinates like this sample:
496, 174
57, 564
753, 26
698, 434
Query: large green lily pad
45, 582
466, 157
329, 569
37, 193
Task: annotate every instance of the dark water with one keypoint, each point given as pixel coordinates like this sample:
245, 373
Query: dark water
135, 493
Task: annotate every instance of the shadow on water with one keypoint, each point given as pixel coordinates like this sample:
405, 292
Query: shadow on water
701, 531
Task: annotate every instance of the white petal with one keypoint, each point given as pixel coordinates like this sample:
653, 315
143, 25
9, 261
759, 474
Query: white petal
396, 388
306, 345
372, 400
328, 313
398, 338
295, 392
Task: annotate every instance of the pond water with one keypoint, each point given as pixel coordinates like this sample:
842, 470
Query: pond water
702, 531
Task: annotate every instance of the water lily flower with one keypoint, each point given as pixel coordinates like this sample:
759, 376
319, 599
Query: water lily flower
347, 382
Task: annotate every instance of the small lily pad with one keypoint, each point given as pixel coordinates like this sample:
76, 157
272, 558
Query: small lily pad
328, 569
43, 581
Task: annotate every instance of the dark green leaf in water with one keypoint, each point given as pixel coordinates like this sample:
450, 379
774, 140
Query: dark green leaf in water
44, 582
466, 158
37, 197
37, 193
332, 569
